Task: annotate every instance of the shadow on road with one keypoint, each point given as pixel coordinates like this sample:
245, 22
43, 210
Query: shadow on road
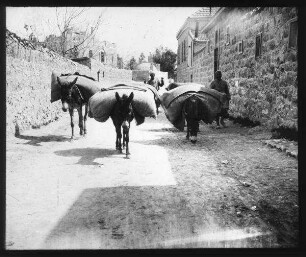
88, 155
143, 217
35, 141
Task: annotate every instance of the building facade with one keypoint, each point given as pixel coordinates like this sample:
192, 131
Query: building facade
81, 44
187, 36
256, 50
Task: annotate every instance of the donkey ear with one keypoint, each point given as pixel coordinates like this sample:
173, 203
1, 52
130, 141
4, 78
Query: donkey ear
131, 97
117, 96
58, 81
74, 81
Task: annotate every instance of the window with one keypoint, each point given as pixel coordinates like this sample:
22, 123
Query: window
178, 54
191, 78
293, 34
240, 47
234, 40
102, 57
184, 50
191, 54
228, 39
90, 54
258, 45
270, 10
196, 33
217, 36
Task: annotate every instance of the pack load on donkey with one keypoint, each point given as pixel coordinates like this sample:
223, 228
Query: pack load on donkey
173, 102
144, 101
83, 81
124, 102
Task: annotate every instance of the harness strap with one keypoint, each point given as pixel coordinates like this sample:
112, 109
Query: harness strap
78, 91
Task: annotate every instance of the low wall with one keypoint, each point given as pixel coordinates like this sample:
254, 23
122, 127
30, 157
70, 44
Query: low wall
107, 72
140, 75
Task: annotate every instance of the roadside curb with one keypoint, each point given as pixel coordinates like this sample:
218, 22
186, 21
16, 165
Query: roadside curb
288, 147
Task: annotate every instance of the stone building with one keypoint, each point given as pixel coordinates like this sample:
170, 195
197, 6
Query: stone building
102, 51
187, 37
256, 50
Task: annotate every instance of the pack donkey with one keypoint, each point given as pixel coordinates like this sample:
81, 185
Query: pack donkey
73, 97
122, 114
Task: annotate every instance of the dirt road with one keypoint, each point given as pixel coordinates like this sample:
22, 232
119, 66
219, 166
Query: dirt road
227, 190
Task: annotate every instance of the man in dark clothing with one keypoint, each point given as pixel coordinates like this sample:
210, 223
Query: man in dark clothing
161, 83
152, 80
221, 86
154, 83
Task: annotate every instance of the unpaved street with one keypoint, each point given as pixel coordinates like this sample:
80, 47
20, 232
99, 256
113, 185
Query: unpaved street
227, 190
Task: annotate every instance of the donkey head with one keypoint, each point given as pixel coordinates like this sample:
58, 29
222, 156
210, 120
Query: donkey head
66, 92
125, 110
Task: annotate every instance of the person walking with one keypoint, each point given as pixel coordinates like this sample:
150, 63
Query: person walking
152, 81
222, 86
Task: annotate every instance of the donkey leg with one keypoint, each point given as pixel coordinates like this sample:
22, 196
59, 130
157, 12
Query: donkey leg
217, 121
71, 123
123, 139
80, 120
85, 118
127, 138
119, 136
188, 129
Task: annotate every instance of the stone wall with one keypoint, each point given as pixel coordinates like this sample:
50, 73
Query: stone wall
264, 89
28, 83
109, 72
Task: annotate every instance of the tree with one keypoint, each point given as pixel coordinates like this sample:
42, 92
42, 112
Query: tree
141, 58
31, 34
119, 62
167, 59
131, 65
71, 40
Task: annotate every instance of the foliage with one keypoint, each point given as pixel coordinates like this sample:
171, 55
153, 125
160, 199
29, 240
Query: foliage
167, 59
72, 40
141, 58
131, 65
119, 62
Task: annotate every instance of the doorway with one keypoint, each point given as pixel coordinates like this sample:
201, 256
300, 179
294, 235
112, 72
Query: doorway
216, 60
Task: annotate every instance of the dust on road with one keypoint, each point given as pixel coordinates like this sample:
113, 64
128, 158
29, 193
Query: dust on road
228, 190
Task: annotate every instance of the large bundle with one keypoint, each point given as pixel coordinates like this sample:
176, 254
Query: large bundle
102, 103
90, 85
137, 86
173, 102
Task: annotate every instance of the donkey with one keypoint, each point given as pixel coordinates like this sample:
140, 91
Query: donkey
122, 114
193, 110
73, 98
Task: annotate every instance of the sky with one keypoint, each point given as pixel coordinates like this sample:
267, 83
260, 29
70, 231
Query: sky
133, 29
